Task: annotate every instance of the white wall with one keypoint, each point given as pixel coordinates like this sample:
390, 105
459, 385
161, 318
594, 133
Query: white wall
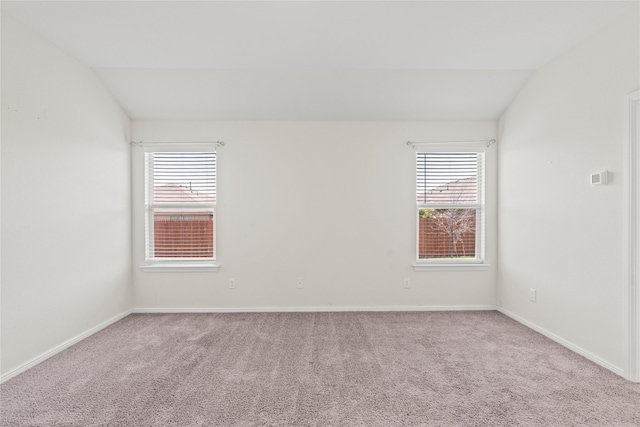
636, 147
557, 233
66, 257
331, 202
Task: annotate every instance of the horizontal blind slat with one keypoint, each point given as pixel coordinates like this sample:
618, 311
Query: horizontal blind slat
447, 177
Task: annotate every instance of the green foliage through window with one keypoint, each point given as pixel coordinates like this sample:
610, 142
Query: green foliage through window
425, 213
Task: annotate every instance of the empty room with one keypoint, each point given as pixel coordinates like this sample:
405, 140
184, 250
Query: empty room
320, 213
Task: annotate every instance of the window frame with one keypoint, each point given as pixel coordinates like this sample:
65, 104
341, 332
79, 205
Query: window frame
175, 264
479, 261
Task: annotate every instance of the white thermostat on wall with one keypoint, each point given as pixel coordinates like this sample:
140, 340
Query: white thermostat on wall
599, 178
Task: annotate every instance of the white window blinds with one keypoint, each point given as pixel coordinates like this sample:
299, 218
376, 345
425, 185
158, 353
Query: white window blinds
449, 196
180, 205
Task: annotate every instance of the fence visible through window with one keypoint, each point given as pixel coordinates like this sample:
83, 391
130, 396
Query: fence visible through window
447, 233
183, 236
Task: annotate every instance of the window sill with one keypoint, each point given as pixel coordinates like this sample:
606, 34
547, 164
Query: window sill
451, 267
179, 268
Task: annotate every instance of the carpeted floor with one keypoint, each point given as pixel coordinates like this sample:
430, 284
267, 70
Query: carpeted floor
319, 369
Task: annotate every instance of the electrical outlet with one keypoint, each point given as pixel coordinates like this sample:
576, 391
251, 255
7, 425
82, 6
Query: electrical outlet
299, 283
532, 295
232, 283
407, 283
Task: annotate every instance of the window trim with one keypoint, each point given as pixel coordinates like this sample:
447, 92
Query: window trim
451, 266
479, 262
152, 264
180, 268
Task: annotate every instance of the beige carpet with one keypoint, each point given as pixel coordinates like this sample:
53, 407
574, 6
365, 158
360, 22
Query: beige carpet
319, 369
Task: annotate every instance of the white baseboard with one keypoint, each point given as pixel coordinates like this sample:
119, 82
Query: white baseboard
581, 351
57, 349
311, 309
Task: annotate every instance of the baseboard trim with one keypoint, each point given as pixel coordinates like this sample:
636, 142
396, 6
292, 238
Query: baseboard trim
310, 309
61, 347
576, 349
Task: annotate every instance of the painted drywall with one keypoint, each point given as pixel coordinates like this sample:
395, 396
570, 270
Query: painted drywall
636, 123
557, 233
636, 147
331, 202
66, 199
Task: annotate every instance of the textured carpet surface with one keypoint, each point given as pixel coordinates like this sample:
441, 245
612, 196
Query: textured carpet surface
319, 369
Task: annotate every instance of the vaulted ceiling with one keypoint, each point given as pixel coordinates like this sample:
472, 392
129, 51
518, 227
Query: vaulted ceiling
324, 60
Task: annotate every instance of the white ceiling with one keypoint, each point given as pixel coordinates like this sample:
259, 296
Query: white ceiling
325, 60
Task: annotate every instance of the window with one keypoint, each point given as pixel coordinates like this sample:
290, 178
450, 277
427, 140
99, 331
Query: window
450, 206
180, 207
